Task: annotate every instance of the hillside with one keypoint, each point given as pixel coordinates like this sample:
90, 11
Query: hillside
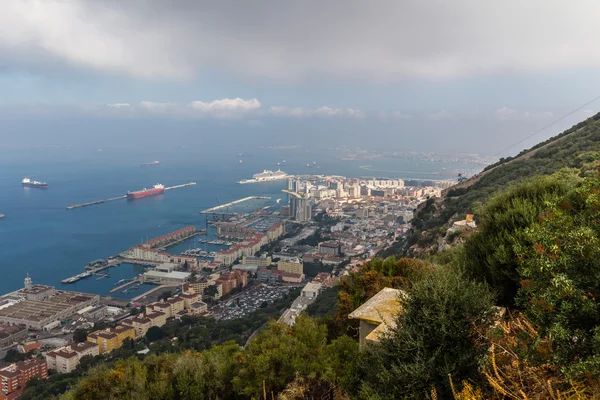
574, 148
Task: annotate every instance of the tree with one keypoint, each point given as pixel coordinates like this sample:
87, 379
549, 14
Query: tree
80, 335
165, 295
155, 333
13, 355
489, 254
560, 278
434, 336
211, 291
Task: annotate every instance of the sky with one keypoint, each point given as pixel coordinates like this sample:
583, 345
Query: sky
405, 74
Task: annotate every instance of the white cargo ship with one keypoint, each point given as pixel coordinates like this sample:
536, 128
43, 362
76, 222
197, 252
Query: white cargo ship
266, 176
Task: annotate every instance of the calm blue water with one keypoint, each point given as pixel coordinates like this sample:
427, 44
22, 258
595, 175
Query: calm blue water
38, 236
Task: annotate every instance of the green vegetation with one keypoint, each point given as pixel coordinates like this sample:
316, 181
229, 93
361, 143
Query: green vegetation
433, 337
579, 151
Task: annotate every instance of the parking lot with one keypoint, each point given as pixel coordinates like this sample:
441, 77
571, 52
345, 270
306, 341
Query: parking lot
249, 301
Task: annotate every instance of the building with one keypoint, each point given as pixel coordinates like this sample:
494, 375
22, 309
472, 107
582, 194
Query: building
331, 248
285, 211
362, 213
29, 346
275, 231
232, 280
256, 261
161, 307
189, 299
354, 191
66, 359
166, 277
149, 254
332, 260
293, 266
157, 318
267, 275
16, 376
311, 290
289, 277
169, 238
10, 334
43, 307
177, 305
140, 323
198, 308
300, 208
377, 315
111, 338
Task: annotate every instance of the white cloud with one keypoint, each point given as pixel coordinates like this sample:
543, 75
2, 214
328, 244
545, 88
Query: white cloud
160, 107
506, 113
226, 106
324, 111
119, 105
382, 41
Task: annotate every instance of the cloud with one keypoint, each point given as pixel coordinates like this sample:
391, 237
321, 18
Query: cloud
154, 106
506, 112
324, 111
119, 105
225, 108
386, 41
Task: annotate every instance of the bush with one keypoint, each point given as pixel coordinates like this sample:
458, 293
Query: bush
434, 336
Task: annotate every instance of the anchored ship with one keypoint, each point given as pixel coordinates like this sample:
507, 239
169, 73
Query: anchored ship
37, 184
266, 176
138, 194
150, 164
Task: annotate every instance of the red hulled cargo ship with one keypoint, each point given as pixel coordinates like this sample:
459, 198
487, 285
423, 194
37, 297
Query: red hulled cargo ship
138, 194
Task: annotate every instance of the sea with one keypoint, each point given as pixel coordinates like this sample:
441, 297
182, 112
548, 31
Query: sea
39, 237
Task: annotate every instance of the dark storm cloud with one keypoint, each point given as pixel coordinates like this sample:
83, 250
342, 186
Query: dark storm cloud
345, 39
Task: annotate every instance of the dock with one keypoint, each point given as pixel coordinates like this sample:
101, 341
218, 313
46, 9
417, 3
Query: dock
180, 186
224, 207
93, 203
123, 286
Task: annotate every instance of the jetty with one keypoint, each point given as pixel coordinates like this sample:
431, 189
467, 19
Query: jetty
123, 286
93, 203
180, 186
224, 208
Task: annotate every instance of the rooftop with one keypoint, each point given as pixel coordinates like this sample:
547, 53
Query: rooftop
34, 310
379, 310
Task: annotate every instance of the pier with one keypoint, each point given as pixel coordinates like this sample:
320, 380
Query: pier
224, 208
180, 186
93, 203
123, 286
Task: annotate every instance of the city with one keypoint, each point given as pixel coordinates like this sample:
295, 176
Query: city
328, 226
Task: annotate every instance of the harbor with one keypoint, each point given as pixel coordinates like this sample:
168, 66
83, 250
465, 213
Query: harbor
93, 203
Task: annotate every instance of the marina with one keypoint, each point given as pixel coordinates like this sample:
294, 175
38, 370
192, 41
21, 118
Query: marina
93, 203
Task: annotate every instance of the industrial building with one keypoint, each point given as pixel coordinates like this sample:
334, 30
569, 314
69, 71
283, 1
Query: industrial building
43, 307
